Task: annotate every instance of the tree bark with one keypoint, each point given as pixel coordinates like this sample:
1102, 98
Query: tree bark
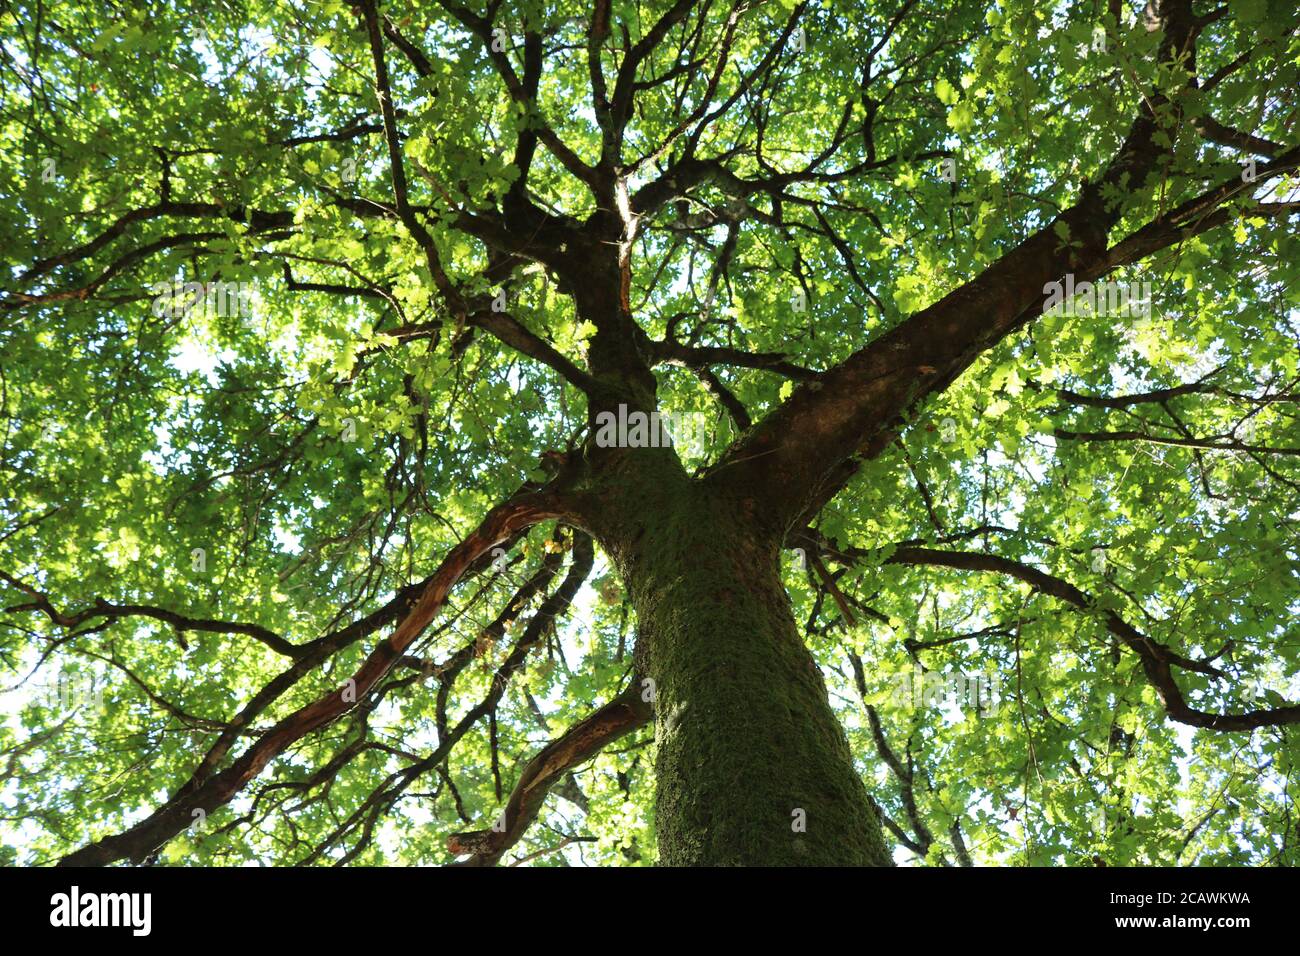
753, 767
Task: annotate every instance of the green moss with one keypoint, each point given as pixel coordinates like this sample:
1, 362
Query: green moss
745, 732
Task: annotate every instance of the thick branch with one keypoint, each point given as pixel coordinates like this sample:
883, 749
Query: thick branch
1158, 660
140, 840
583, 740
847, 409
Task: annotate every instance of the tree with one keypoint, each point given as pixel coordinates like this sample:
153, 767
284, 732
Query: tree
880, 417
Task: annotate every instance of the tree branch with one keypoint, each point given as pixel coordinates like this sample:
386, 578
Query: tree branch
579, 743
522, 511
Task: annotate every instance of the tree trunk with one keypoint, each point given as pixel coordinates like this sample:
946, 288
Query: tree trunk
753, 768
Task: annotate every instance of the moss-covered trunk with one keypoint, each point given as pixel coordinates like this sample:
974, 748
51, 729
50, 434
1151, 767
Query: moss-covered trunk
753, 767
